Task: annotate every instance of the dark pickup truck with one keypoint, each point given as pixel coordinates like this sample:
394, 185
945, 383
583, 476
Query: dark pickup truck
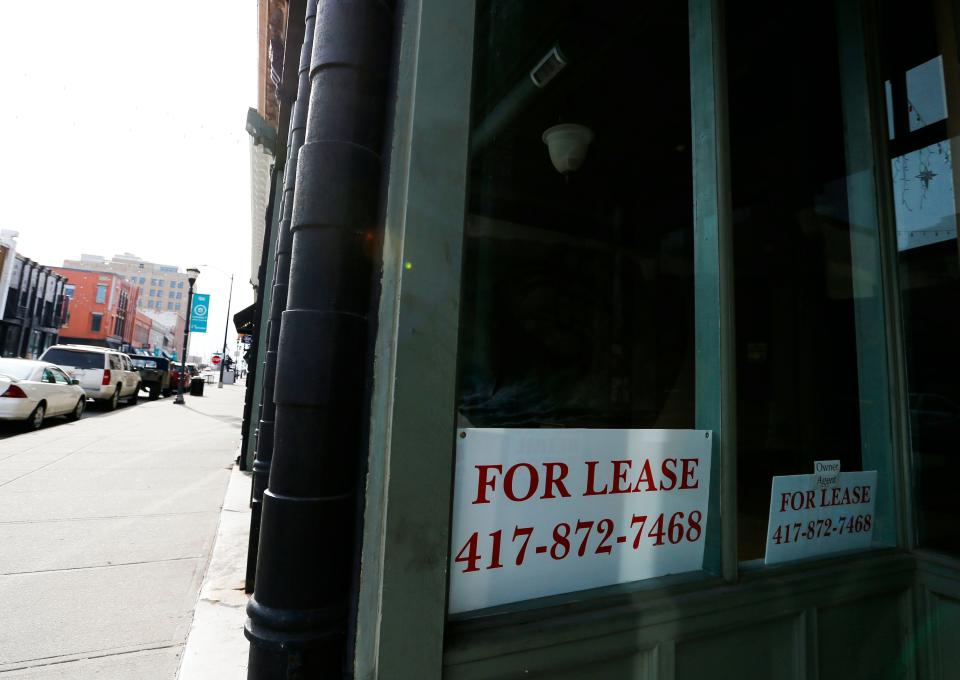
155, 376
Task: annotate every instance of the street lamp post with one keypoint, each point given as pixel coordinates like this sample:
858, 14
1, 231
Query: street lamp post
192, 275
226, 326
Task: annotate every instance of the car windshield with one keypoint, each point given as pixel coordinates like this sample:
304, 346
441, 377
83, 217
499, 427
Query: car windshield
16, 369
143, 363
74, 358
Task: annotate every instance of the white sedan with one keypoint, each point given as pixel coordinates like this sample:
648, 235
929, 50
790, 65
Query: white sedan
34, 390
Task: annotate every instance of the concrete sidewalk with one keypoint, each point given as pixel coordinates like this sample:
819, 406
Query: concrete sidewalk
106, 530
216, 647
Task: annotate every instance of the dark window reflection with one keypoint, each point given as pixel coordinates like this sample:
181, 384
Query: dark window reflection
920, 69
797, 389
577, 301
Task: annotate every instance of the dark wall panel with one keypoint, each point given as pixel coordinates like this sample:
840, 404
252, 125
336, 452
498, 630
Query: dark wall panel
771, 650
864, 639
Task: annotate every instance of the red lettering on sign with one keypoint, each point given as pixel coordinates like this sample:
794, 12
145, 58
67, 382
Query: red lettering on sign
669, 473
689, 469
533, 482
620, 469
591, 479
555, 481
484, 483
646, 477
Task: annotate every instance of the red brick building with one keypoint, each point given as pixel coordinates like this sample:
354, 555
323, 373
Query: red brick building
102, 309
141, 330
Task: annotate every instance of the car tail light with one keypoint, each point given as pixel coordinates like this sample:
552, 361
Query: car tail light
14, 392
106, 377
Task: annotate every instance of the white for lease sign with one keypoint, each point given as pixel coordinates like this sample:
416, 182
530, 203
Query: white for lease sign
540, 512
826, 512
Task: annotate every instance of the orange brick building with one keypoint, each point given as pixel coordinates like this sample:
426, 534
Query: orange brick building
141, 330
102, 309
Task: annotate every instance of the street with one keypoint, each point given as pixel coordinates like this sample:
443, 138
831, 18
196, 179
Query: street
106, 528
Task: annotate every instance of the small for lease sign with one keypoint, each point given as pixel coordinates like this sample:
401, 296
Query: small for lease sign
540, 512
821, 513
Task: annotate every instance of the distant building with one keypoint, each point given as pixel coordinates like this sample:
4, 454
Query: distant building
166, 331
102, 308
142, 324
162, 288
34, 303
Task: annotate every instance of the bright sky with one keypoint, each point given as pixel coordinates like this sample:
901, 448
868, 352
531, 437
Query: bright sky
123, 131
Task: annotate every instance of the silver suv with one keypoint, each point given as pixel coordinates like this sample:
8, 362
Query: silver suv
106, 375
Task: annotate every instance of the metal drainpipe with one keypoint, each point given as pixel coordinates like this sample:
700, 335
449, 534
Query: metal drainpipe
299, 610
278, 299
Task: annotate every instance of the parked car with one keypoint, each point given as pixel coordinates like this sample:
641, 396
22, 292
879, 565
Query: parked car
155, 375
106, 375
192, 372
33, 390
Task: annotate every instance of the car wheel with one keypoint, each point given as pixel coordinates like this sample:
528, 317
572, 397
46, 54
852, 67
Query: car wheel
114, 399
35, 419
135, 397
154, 392
77, 411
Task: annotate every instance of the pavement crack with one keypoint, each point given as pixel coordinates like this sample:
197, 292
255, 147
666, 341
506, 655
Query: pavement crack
106, 517
101, 566
42, 662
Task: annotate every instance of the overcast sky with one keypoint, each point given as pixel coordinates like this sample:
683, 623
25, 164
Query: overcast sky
123, 131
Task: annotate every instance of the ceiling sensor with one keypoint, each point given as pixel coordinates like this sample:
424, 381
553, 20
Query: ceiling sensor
547, 68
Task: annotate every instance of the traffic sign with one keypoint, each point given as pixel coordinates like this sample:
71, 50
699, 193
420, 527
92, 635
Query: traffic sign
198, 313
215, 360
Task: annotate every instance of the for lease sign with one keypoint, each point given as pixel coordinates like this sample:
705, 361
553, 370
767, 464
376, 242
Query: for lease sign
825, 512
540, 512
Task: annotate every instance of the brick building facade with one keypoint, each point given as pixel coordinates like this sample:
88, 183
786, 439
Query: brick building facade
102, 308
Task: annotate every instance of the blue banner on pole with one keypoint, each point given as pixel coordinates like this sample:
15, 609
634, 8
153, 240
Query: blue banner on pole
198, 313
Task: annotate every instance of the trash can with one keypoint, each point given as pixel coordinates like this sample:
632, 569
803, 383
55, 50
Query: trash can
196, 387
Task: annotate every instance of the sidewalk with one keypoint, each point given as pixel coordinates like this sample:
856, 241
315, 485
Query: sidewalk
106, 531
216, 647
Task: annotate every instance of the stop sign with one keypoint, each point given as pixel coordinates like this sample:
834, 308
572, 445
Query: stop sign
215, 360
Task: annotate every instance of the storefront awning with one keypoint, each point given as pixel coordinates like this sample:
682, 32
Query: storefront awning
243, 320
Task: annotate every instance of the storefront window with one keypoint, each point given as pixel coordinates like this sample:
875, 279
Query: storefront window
920, 70
577, 304
810, 338
577, 333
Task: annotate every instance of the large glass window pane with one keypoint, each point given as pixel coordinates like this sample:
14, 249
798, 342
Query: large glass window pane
578, 279
919, 59
811, 360
577, 303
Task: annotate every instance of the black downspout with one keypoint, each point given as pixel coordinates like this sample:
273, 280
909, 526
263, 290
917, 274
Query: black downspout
299, 611
278, 300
